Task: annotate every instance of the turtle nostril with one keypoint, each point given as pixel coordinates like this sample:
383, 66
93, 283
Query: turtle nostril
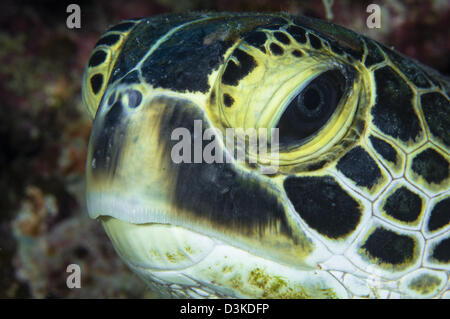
134, 98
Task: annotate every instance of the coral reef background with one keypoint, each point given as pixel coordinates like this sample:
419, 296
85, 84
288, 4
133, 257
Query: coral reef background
44, 128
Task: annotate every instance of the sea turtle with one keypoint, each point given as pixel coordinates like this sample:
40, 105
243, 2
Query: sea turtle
358, 205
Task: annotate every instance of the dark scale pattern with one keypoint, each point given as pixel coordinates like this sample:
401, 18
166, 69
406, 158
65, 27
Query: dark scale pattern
276, 49
441, 251
357, 165
393, 112
142, 38
409, 68
96, 82
355, 54
334, 46
347, 40
374, 55
436, 109
97, 58
431, 165
234, 73
298, 33
324, 205
403, 205
297, 53
316, 166
440, 215
256, 39
228, 100
315, 42
283, 38
184, 61
384, 149
389, 247
108, 40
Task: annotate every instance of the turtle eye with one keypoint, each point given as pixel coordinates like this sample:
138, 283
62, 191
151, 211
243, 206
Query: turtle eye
310, 110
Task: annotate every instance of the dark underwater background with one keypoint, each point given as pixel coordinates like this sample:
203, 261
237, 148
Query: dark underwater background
44, 128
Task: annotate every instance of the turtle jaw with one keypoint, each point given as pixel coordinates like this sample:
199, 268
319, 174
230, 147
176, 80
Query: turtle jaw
178, 262
156, 246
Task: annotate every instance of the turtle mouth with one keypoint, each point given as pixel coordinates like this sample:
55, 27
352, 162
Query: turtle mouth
156, 246
175, 260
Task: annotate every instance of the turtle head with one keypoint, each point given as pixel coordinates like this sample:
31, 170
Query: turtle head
162, 175
222, 148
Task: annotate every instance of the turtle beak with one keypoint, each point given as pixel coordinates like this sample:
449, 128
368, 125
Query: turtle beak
128, 162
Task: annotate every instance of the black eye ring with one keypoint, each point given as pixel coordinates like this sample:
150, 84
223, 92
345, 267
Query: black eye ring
311, 109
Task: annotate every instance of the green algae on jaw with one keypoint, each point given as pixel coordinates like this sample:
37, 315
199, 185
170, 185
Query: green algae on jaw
277, 287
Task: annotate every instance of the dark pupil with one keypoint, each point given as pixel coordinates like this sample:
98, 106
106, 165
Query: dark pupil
311, 99
311, 108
